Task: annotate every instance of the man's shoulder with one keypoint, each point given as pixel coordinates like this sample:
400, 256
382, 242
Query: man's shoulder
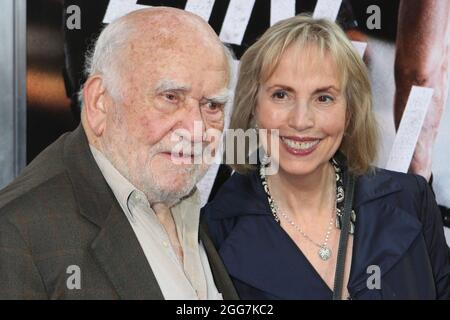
42, 181
40, 210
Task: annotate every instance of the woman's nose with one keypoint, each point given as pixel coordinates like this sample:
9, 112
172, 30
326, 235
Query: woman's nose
301, 116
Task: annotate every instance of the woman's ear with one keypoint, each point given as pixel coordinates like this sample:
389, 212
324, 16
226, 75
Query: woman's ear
94, 102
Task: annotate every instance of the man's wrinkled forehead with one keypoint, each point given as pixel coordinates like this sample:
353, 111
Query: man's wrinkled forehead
169, 44
166, 53
163, 49
166, 28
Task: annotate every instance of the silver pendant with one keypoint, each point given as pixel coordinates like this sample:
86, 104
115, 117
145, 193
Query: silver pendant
324, 253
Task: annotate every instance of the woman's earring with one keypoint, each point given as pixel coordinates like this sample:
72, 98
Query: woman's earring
265, 161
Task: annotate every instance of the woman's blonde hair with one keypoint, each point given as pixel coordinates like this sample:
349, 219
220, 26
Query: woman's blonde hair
360, 142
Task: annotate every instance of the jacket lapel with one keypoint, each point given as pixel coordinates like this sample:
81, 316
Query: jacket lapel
119, 253
116, 248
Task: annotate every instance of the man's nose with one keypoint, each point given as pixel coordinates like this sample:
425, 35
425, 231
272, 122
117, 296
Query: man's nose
192, 120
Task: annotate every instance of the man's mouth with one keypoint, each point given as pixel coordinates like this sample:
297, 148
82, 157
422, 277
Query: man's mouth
178, 154
181, 157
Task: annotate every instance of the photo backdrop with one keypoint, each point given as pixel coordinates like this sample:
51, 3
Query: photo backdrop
372, 25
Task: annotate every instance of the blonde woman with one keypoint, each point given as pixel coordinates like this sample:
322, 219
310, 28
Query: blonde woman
327, 224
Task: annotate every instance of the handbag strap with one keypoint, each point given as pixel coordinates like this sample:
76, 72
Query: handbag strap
343, 239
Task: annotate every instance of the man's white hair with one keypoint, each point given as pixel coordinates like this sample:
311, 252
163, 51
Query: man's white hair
105, 57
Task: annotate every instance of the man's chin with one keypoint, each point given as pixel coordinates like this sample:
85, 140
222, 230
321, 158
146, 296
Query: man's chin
179, 187
172, 182
173, 187
170, 195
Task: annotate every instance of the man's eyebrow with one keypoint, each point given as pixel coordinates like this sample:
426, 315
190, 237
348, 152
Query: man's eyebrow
170, 85
221, 97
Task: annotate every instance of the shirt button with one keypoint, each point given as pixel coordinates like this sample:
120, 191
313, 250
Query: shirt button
165, 244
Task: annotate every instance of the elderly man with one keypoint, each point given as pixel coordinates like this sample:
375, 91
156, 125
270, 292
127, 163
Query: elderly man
109, 211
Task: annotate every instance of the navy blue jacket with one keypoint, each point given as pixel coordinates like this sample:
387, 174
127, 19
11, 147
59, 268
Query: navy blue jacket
398, 228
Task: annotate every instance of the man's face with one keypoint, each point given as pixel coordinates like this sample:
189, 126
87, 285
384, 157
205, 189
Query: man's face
164, 94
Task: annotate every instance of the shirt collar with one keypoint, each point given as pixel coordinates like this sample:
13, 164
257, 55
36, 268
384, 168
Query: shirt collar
124, 191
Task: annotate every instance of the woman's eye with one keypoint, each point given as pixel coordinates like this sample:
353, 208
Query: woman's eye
325, 98
279, 95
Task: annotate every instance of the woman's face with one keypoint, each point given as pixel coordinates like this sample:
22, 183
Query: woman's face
304, 100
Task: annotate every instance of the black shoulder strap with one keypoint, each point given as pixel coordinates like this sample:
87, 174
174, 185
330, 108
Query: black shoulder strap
343, 240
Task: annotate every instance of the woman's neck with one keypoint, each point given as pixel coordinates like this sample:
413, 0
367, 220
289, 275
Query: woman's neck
307, 195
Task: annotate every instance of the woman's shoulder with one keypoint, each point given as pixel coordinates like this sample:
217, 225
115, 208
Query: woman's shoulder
241, 196
382, 179
403, 190
241, 193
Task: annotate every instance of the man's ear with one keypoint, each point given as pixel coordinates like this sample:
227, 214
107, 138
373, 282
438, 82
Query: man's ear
95, 100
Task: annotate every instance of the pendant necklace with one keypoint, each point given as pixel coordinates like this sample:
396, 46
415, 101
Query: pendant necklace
324, 250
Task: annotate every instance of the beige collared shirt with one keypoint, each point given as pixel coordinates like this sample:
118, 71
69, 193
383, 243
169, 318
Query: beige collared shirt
188, 281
